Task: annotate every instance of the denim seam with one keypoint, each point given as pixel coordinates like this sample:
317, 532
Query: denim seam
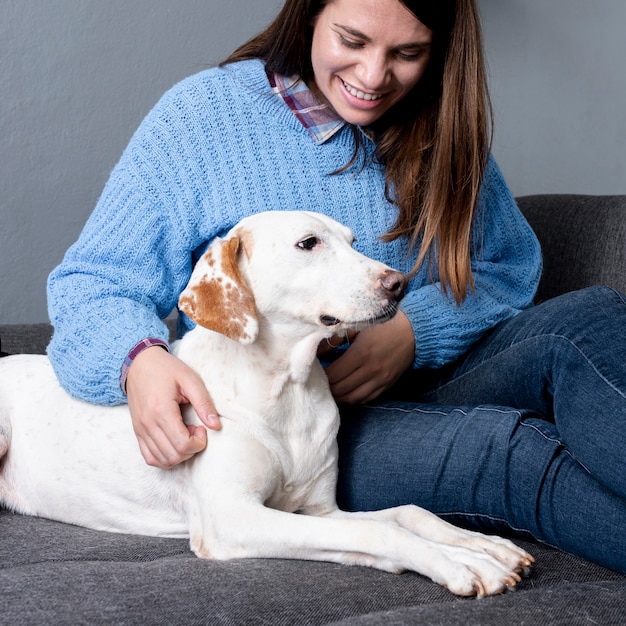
494, 518
416, 409
619, 295
496, 409
558, 441
546, 336
491, 518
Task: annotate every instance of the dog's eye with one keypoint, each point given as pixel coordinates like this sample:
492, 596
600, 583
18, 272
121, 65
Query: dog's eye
309, 243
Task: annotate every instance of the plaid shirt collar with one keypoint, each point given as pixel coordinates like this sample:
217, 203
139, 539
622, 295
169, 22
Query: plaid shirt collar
318, 118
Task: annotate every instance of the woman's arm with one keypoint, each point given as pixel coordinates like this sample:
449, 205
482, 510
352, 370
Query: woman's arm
121, 278
111, 291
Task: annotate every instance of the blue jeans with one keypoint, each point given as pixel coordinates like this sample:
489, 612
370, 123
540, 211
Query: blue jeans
525, 433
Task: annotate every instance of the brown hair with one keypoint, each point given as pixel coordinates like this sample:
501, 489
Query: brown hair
434, 143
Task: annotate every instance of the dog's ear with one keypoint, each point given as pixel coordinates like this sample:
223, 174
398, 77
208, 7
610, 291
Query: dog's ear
217, 296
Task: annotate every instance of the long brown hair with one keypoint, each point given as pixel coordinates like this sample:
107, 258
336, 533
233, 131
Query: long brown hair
434, 143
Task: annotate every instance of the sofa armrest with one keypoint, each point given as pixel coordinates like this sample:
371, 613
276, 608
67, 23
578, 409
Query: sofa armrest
25, 338
583, 239
34, 338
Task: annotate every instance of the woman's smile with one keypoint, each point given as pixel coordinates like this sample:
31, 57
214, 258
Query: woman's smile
360, 95
367, 55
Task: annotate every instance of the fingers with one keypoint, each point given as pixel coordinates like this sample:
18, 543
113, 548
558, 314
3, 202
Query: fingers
376, 359
157, 384
357, 386
351, 380
169, 443
358, 376
199, 398
327, 345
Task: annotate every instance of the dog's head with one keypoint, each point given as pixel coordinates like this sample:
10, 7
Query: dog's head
291, 267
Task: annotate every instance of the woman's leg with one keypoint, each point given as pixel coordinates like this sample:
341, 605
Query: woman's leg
551, 462
483, 467
564, 360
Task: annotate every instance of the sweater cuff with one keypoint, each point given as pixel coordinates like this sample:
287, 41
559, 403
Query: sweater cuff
132, 355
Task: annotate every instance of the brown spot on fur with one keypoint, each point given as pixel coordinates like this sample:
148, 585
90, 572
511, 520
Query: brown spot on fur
219, 305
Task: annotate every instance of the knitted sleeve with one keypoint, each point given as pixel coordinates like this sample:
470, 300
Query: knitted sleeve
506, 266
132, 259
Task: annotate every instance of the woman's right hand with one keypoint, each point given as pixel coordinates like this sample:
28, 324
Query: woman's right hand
157, 384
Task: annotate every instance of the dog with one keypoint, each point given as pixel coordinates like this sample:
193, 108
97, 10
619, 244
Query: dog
263, 298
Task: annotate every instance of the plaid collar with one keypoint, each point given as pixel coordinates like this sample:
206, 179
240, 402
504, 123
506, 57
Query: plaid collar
318, 118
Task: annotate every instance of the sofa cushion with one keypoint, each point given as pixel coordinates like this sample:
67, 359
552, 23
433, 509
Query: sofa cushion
58, 573
25, 338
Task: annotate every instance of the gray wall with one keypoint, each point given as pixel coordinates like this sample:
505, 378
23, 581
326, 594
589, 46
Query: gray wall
78, 76
558, 84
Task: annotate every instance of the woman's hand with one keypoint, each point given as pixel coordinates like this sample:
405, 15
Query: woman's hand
156, 385
375, 360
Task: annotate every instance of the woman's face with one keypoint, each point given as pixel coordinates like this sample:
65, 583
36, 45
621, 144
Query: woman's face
367, 55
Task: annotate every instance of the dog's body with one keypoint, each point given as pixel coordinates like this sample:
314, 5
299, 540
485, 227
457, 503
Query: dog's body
276, 454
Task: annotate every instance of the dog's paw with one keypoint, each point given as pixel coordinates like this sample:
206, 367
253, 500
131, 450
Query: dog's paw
471, 573
503, 550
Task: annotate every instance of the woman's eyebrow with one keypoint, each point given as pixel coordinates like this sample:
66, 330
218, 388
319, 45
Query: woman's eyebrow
353, 32
364, 37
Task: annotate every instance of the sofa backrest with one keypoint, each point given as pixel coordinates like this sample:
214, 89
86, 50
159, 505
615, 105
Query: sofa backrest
583, 239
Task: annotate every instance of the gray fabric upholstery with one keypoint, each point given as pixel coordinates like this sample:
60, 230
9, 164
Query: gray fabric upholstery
25, 338
52, 573
566, 605
583, 239
56, 573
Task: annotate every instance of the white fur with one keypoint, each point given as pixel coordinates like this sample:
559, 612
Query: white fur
265, 485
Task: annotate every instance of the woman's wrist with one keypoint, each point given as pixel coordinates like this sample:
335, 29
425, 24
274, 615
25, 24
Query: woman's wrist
135, 352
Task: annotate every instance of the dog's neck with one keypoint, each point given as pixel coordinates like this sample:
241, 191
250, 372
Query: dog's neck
296, 355
278, 358
275, 379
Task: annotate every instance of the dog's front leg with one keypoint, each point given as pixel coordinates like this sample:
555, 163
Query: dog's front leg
428, 526
251, 530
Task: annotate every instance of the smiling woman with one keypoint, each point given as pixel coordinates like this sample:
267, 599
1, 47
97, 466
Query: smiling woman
411, 72
367, 56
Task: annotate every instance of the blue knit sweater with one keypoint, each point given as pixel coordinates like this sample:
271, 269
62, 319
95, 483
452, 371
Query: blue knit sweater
219, 146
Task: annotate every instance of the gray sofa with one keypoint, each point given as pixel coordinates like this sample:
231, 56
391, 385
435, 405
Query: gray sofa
52, 573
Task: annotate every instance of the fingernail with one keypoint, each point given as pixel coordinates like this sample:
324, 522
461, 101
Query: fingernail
214, 420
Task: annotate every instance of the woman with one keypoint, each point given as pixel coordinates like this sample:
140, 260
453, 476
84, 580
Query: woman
376, 113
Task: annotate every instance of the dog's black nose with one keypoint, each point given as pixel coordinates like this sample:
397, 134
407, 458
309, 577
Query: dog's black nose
394, 283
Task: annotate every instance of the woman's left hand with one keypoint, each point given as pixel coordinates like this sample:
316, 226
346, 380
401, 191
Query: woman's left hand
375, 360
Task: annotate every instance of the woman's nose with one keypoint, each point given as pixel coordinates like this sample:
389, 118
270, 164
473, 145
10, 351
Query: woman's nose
373, 71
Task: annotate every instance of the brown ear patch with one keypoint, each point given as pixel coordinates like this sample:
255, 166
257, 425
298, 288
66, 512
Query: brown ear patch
218, 297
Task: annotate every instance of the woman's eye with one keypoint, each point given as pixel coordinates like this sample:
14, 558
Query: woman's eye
349, 43
309, 243
406, 56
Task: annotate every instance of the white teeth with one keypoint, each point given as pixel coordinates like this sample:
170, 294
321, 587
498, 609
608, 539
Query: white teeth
360, 94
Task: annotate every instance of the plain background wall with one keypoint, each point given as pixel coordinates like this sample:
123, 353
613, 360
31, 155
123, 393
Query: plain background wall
558, 85
78, 76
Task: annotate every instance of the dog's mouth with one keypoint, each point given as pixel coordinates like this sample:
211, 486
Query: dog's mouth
385, 315
328, 320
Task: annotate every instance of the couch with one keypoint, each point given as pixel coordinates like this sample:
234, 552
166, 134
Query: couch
53, 573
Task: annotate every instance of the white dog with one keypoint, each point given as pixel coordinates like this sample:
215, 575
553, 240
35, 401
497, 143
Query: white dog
263, 298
